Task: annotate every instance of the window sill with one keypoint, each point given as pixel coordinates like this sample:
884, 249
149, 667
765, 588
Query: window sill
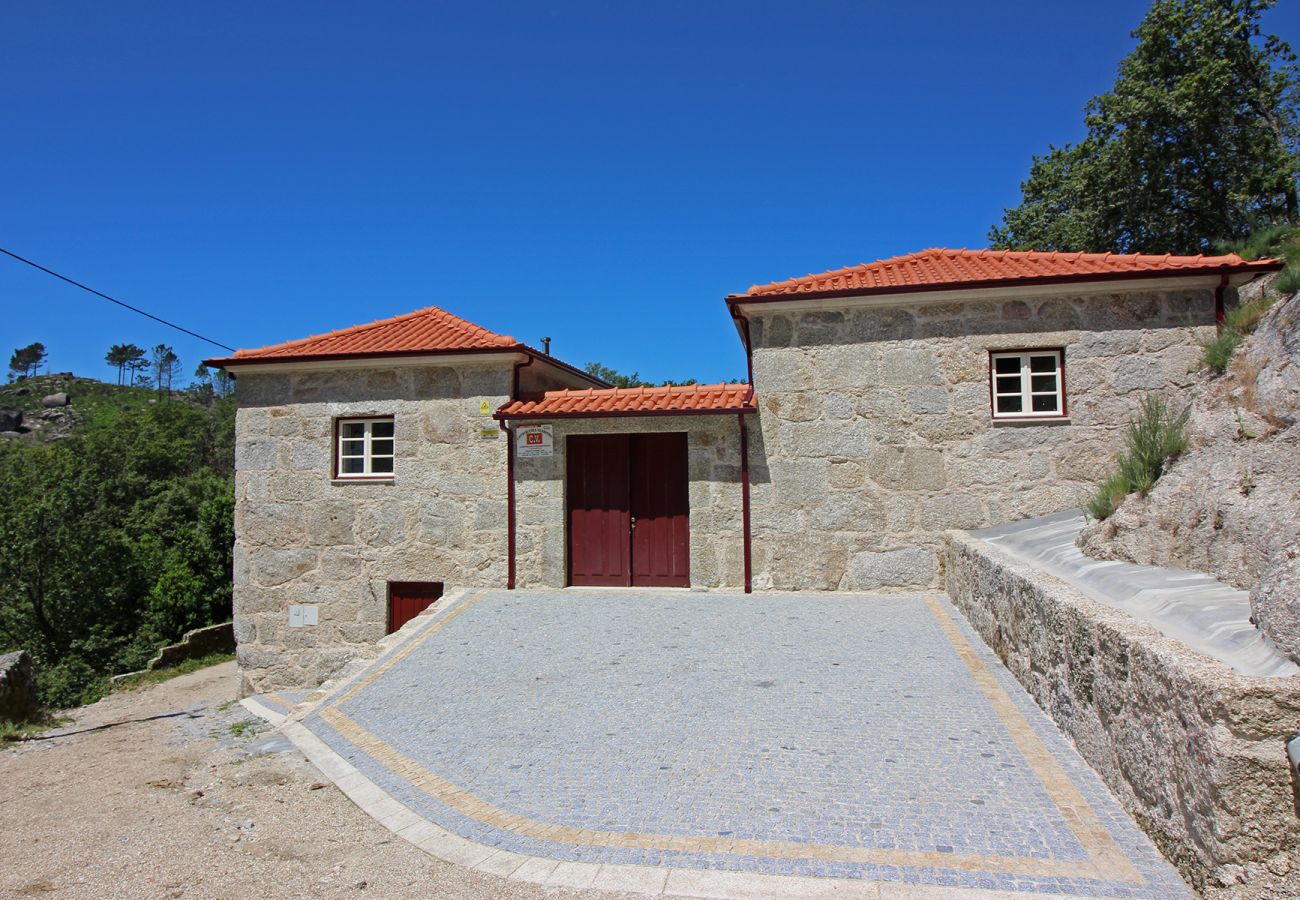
1021, 422
367, 480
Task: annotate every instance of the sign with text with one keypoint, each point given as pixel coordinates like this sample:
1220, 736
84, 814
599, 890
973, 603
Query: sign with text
534, 440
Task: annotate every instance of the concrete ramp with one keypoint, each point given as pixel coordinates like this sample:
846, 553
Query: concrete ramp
1197, 609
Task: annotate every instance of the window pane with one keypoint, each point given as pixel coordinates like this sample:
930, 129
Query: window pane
1044, 383
1045, 403
352, 466
354, 448
353, 429
381, 464
1009, 404
1042, 363
1008, 384
1006, 364
382, 448
381, 429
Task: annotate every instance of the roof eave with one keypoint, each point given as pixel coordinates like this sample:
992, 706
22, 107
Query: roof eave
502, 416
234, 363
735, 300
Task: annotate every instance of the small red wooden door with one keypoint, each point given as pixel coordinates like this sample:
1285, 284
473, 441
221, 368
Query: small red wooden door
661, 538
599, 513
629, 513
407, 599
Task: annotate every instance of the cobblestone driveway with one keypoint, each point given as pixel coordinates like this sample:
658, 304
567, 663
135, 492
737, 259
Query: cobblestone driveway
852, 737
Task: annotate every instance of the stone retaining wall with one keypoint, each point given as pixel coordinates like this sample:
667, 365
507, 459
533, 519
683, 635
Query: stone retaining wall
1194, 751
876, 435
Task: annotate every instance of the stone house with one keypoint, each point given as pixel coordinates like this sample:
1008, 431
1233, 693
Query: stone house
886, 403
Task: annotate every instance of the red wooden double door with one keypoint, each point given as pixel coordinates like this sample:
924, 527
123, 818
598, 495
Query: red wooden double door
628, 510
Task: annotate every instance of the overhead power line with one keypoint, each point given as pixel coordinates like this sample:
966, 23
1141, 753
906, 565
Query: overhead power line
115, 300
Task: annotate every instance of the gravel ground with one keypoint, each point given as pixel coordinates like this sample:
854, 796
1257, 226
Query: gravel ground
209, 806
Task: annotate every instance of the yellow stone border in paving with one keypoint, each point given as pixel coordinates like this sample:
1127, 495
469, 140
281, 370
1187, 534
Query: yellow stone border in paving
1106, 861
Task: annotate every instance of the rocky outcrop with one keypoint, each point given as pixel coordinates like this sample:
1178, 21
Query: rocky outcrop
1230, 505
17, 687
11, 418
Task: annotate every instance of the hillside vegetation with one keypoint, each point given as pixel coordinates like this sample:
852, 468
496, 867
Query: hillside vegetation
116, 528
1230, 504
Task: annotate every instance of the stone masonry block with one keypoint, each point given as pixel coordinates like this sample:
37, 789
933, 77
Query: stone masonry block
910, 567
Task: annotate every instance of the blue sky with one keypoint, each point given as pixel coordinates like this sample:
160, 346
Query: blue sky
602, 173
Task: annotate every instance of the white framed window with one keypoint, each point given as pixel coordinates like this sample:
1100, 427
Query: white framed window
363, 448
1027, 384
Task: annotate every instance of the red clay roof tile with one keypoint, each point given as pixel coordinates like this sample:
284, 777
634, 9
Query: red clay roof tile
428, 330
940, 268
688, 399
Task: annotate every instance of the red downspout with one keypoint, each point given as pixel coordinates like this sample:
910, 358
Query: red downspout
1218, 301
510, 481
744, 500
744, 449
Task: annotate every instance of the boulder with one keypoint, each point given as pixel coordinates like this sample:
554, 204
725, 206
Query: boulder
17, 687
55, 400
10, 418
11, 435
1275, 606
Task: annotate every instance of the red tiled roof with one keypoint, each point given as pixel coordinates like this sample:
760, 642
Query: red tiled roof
428, 330
687, 399
940, 268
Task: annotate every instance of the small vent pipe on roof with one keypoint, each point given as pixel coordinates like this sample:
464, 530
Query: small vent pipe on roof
546, 346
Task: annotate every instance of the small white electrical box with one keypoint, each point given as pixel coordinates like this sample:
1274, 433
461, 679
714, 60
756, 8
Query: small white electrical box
301, 614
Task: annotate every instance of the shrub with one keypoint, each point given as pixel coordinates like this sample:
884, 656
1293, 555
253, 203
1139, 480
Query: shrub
1237, 323
1153, 440
1281, 241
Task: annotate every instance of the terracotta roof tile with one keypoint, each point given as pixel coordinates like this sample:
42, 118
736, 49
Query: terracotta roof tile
428, 330
691, 399
943, 268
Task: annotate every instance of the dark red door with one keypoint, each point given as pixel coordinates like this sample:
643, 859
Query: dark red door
629, 510
407, 599
599, 511
661, 538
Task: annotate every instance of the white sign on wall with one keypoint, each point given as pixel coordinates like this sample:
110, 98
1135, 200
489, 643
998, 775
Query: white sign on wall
534, 440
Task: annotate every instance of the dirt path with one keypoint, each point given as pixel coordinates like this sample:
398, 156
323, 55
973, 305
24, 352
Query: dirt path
200, 807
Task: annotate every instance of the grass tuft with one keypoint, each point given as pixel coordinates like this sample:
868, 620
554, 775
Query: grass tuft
1154, 439
21, 731
1238, 322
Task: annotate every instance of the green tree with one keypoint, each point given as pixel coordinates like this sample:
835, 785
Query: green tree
618, 379
122, 356
134, 367
27, 360
1198, 141
614, 377
115, 540
166, 365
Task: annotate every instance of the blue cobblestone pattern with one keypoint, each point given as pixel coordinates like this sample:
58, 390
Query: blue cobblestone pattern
821, 720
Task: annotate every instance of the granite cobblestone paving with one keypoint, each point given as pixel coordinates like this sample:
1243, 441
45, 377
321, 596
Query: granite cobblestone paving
841, 736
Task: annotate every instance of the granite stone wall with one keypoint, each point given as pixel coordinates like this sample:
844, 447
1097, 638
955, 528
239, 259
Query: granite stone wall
1196, 752
876, 433
304, 538
713, 448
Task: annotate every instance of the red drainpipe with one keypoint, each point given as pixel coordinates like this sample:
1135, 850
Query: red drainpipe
1218, 301
744, 448
744, 499
510, 481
